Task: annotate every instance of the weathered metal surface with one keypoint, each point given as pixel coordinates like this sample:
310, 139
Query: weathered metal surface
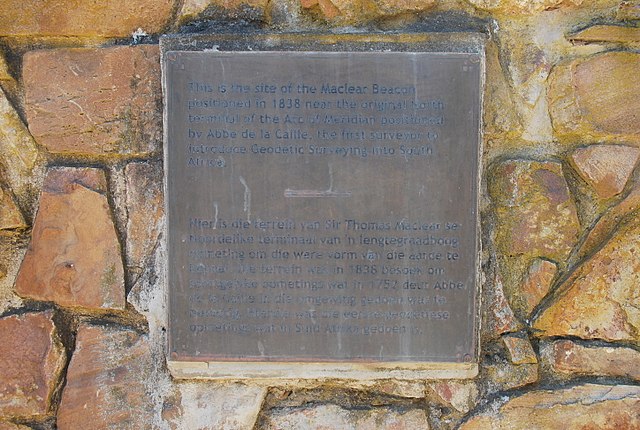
322, 206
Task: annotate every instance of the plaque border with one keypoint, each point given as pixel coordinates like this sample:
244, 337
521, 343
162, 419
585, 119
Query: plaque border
231, 370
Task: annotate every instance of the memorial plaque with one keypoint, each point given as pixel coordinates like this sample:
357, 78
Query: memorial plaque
322, 206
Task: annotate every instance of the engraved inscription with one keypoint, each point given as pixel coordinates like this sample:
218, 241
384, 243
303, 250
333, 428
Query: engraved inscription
322, 206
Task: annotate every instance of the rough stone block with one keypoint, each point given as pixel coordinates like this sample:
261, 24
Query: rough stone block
590, 406
108, 381
607, 168
113, 18
607, 34
537, 283
4, 425
18, 152
609, 222
535, 213
95, 102
600, 298
10, 216
212, 407
596, 98
519, 7
74, 257
519, 349
506, 376
31, 360
628, 11
145, 209
4, 70
498, 313
570, 358
350, 11
461, 395
193, 9
334, 417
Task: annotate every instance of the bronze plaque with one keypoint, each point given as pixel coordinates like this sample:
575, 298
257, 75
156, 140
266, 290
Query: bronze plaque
322, 206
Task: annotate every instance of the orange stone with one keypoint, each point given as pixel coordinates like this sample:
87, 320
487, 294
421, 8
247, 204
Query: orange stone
606, 168
628, 10
519, 7
535, 213
96, 102
31, 360
74, 257
18, 153
362, 10
570, 358
207, 9
10, 216
519, 349
590, 406
610, 221
113, 18
599, 300
107, 381
607, 33
597, 98
10, 426
537, 283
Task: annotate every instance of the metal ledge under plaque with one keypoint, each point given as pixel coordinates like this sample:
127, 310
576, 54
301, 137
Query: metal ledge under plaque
322, 211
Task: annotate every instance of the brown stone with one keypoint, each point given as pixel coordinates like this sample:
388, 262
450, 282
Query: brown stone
144, 201
324, 417
607, 33
534, 211
596, 98
519, 349
10, 216
600, 298
606, 168
537, 283
590, 406
74, 257
119, 18
95, 101
462, 396
107, 381
216, 406
31, 360
570, 358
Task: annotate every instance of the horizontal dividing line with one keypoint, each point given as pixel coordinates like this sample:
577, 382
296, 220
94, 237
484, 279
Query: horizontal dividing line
315, 193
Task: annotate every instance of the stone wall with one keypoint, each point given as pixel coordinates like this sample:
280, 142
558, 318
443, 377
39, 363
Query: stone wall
82, 305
